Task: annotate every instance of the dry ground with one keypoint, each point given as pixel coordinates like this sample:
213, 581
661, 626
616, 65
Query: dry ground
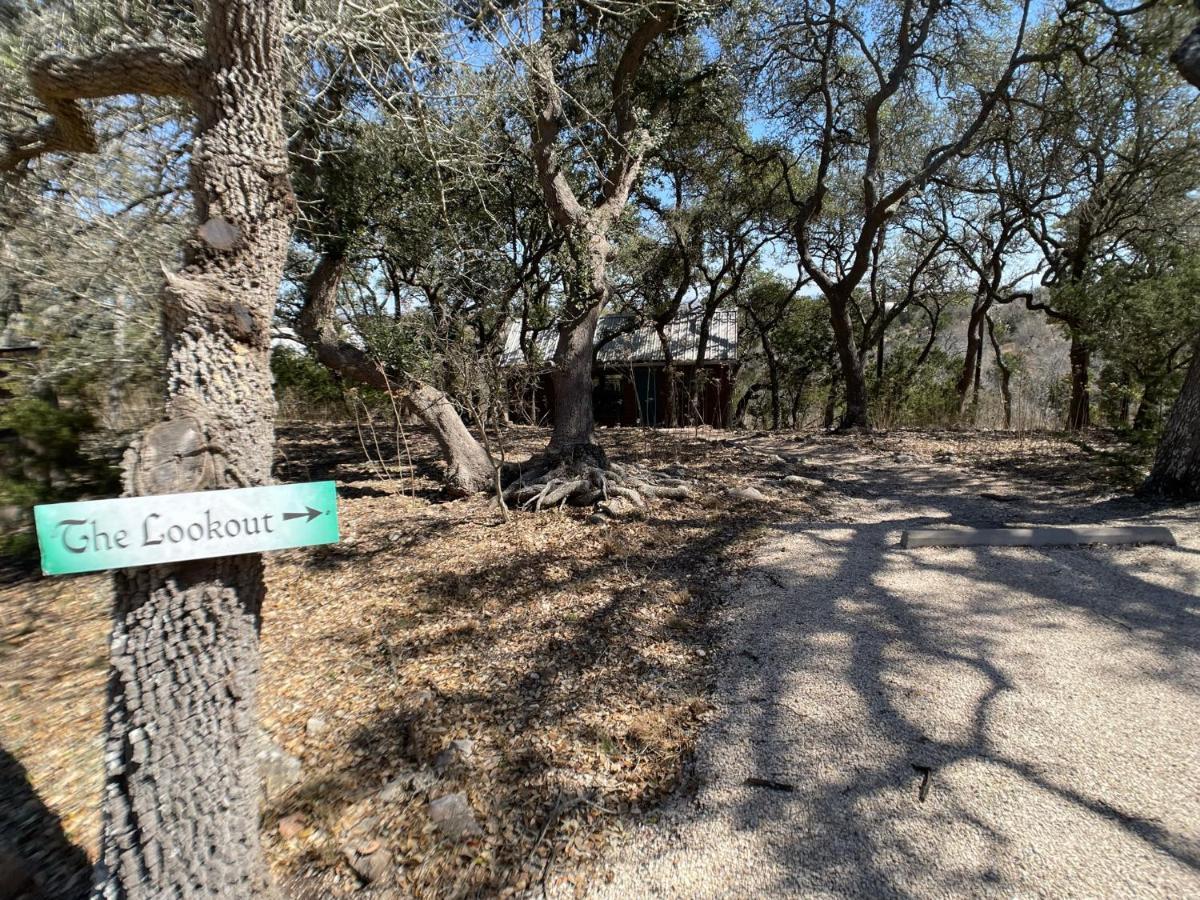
945, 722
572, 654
578, 658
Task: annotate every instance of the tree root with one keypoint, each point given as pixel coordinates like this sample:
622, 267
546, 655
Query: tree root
614, 490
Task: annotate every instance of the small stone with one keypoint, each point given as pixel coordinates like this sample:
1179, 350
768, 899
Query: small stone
292, 826
279, 770
396, 789
315, 726
749, 494
801, 481
459, 750
454, 816
423, 781
369, 860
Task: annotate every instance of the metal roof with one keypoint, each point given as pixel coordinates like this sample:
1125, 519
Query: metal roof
641, 346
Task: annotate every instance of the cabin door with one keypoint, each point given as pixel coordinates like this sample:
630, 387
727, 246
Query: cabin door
647, 395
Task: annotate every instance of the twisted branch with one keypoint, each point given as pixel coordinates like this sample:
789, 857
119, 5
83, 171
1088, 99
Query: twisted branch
60, 82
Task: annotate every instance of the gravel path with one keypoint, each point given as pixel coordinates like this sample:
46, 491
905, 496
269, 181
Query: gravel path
1049, 699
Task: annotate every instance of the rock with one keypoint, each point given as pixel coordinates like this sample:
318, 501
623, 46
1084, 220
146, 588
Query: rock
396, 789
408, 782
801, 481
616, 506
459, 750
749, 494
279, 770
369, 859
454, 816
292, 826
777, 460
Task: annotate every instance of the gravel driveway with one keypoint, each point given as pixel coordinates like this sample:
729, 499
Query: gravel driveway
1048, 700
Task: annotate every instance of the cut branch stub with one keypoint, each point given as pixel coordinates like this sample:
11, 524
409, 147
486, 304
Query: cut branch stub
170, 457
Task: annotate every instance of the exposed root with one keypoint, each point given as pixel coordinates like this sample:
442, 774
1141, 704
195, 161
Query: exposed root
615, 490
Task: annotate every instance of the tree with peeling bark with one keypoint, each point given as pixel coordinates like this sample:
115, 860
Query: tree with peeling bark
181, 790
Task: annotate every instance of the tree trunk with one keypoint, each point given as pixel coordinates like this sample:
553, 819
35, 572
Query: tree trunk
1147, 416
966, 377
1079, 414
468, 470
585, 251
977, 384
181, 793
857, 411
694, 386
1176, 471
1005, 374
773, 378
739, 414
831, 403
574, 418
798, 399
669, 373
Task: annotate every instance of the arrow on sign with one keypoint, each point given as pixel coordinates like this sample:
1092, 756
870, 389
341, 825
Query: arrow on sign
307, 516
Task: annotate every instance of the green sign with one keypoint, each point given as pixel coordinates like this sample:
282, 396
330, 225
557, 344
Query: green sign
145, 531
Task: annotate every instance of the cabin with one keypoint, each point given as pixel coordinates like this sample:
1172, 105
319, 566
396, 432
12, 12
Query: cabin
629, 376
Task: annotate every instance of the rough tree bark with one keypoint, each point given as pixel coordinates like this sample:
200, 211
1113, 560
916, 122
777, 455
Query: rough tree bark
853, 375
1147, 416
1176, 471
975, 325
181, 790
468, 469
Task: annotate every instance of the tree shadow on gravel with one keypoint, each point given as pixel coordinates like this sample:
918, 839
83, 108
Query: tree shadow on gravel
855, 820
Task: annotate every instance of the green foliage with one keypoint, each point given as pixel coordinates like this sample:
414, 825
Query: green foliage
804, 339
301, 379
912, 396
48, 454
